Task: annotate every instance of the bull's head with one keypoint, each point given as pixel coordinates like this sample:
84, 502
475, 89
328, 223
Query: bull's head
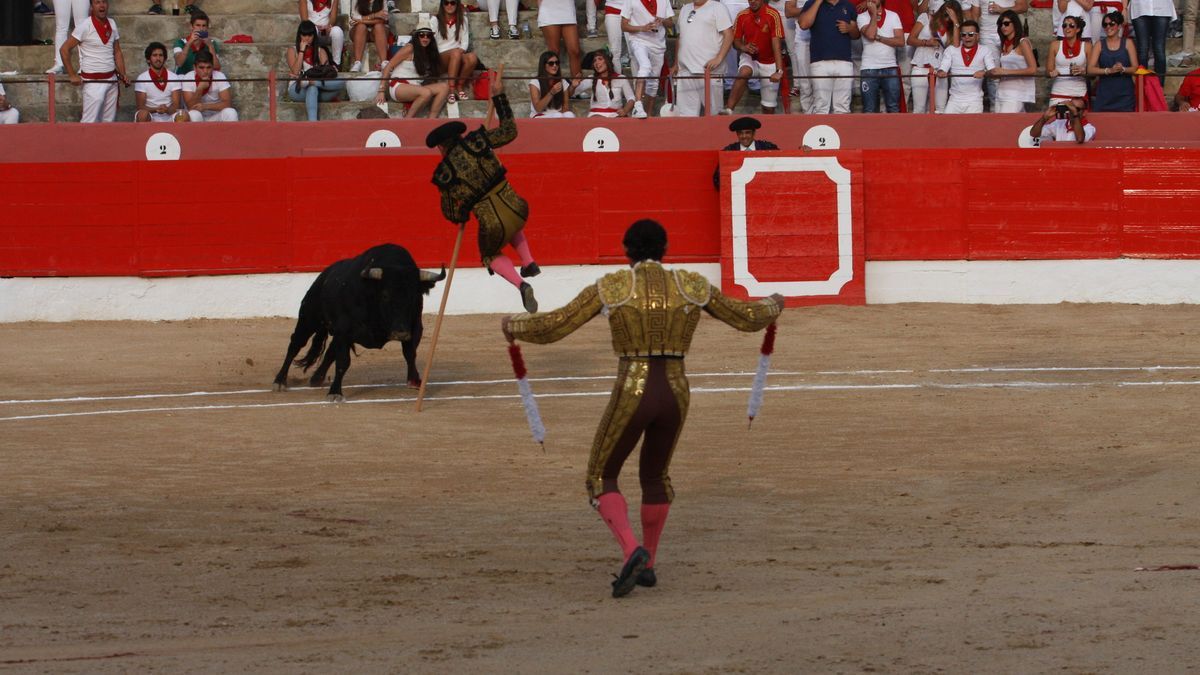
429, 279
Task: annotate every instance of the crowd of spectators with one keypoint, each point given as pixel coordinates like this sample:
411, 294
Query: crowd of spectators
810, 53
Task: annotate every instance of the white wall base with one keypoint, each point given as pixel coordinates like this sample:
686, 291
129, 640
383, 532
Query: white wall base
258, 295
1129, 280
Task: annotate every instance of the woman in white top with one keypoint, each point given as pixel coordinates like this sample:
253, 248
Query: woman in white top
1064, 8
410, 76
321, 13
1066, 64
64, 12
612, 96
925, 58
1150, 21
1016, 59
453, 37
368, 16
547, 91
560, 28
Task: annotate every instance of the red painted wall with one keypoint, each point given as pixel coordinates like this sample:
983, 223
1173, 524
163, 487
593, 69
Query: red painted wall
301, 213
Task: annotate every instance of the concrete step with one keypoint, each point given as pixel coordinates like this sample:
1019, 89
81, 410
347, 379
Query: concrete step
126, 7
237, 60
142, 29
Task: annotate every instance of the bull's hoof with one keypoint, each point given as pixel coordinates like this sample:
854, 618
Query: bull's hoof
280, 386
335, 398
414, 384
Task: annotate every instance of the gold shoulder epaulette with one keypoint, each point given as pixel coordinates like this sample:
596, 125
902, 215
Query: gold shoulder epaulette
694, 287
616, 288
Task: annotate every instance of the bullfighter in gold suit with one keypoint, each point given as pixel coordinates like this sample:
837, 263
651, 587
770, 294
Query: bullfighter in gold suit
471, 179
652, 312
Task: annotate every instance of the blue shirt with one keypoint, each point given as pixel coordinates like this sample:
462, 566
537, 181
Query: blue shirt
827, 43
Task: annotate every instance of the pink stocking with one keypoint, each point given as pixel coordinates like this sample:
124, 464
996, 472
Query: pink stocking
520, 243
654, 517
503, 266
615, 513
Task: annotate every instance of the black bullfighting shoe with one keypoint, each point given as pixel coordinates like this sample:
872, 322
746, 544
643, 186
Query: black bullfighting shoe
527, 298
530, 270
647, 578
633, 568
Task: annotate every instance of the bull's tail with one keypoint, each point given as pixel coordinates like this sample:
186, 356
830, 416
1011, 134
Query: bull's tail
314, 351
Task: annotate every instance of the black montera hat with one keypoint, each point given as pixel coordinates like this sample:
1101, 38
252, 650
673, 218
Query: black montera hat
444, 133
745, 124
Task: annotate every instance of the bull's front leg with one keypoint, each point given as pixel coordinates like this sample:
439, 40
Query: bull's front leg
409, 348
341, 354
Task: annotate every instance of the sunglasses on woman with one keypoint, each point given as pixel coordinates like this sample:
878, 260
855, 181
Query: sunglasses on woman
1072, 26
552, 63
1006, 22
1109, 24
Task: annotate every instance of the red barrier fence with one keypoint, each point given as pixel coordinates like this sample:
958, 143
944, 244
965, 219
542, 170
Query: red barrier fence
299, 213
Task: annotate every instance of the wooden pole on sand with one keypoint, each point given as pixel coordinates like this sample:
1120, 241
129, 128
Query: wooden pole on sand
437, 326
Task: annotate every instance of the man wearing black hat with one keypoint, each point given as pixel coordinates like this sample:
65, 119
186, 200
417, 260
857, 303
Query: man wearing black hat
744, 127
472, 179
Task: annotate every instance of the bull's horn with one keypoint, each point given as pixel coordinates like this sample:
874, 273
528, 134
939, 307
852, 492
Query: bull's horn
373, 273
426, 275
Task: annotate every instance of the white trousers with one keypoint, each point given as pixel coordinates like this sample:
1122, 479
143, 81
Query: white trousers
919, 85
554, 114
832, 95
589, 8
64, 11
647, 62
801, 69
510, 7
690, 95
99, 100
768, 90
1001, 105
10, 116
223, 115
964, 104
616, 38
337, 41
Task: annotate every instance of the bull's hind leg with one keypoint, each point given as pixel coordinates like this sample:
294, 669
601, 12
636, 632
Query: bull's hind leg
341, 351
299, 336
318, 376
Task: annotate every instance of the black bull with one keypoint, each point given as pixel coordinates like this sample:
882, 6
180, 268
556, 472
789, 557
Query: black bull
369, 301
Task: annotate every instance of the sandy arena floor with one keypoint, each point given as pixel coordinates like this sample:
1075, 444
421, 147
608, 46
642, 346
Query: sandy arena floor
928, 488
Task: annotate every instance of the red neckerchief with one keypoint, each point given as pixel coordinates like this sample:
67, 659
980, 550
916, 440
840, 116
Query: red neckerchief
161, 84
320, 5
199, 80
1006, 46
968, 55
882, 16
1071, 53
651, 6
103, 28
307, 56
451, 20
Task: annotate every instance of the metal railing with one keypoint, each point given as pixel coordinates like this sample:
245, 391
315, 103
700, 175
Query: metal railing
52, 81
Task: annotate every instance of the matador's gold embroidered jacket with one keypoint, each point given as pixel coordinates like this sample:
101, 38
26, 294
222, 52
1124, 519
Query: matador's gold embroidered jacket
651, 310
470, 169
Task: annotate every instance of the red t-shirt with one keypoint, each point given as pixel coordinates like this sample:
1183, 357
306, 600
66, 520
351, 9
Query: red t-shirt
905, 10
1190, 89
758, 29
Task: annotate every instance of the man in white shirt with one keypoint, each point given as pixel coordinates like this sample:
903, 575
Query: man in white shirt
8, 114
967, 64
705, 36
1063, 123
206, 93
882, 33
646, 22
157, 90
101, 64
